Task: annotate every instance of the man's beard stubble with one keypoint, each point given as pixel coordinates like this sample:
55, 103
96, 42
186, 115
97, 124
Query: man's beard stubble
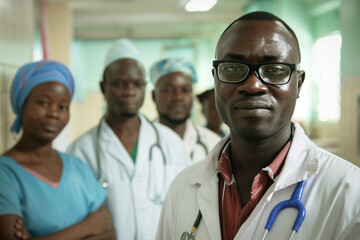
173, 122
128, 115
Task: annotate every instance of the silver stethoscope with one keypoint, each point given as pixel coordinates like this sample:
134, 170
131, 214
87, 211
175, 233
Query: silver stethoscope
293, 202
157, 198
199, 142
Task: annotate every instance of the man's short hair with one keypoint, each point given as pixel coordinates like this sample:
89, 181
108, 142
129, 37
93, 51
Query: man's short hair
264, 16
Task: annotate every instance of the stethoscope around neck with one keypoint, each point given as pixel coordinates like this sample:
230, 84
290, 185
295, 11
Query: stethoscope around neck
156, 198
199, 142
293, 202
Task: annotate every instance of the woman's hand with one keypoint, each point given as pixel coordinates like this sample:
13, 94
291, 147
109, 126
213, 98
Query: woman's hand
99, 221
97, 225
21, 232
12, 228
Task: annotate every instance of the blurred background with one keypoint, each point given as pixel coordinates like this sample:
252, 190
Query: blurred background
79, 32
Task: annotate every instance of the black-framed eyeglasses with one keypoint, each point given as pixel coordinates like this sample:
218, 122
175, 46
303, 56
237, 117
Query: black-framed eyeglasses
276, 73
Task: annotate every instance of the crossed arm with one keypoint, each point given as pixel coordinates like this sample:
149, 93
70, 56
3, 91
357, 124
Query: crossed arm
97, 225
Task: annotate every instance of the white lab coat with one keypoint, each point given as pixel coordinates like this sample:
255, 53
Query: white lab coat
331, 197
134, 215
207, 137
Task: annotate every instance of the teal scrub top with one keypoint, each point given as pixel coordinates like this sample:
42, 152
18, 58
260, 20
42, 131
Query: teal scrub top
43, 208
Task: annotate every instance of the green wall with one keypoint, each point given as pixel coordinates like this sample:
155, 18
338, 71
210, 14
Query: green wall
350, 30
89, 55
309, 19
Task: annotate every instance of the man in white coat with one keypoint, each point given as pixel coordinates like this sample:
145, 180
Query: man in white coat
133, 158
173, 79
266, 156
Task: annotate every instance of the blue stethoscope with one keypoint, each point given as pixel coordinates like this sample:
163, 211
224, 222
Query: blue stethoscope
293, 202
157, 197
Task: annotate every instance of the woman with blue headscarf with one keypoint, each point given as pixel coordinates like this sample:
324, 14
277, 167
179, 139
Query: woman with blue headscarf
44, 192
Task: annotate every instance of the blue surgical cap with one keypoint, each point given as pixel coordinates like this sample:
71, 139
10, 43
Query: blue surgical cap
122, 48
29, 76
170, 65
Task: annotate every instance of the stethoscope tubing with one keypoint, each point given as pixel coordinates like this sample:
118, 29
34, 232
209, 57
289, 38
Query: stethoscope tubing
101, 180
293, 202
157, 199
199, 142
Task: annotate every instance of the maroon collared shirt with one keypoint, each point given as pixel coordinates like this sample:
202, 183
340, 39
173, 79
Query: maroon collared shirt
232, 213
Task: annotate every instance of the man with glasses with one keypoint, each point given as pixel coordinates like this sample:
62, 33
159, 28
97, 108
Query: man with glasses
266, 159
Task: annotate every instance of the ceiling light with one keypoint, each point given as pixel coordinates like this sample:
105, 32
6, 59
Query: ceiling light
199, 5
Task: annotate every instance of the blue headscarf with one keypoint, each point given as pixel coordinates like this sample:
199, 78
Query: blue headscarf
170, 65
29, 76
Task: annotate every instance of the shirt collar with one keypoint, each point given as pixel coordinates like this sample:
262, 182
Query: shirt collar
276, 165
274, 168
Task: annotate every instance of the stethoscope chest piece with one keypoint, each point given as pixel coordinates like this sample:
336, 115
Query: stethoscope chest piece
187, 236
190, 236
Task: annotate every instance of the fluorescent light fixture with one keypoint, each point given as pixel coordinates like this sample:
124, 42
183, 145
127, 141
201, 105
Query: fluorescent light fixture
199, 5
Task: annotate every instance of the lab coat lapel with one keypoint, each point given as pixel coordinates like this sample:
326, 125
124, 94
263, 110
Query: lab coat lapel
208, 199
299, 165
257, 218
301, 162
113, 147
190, 139
207, 195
